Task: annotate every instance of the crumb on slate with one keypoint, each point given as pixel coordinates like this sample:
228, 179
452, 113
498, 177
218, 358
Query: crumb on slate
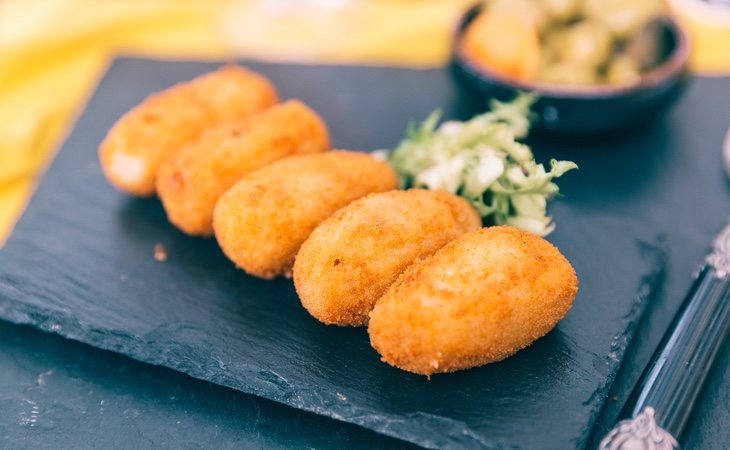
160, 253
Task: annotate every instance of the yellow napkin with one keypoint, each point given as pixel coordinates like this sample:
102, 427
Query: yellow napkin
52, 53
708, 27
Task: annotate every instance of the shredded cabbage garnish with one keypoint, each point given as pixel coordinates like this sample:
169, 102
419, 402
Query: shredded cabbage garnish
482, 161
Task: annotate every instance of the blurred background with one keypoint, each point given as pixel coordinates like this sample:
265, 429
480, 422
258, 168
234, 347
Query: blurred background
53, 52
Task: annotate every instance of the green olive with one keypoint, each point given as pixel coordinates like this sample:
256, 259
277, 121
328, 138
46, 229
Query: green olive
587, 42
561, 10
568, 73
550, 48
623, 17
623, 70
530, 10
646, 47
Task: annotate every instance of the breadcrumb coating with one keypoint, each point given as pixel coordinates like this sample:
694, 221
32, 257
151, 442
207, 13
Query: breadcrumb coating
190, 182
478, 300
350, 259
141, 139
261, 222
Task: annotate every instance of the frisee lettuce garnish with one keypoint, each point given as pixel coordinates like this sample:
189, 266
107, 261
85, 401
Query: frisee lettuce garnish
482, 161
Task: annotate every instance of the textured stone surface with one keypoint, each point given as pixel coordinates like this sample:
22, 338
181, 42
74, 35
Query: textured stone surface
80, 264
55, 393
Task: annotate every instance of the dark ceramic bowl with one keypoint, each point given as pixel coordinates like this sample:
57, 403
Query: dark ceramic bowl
583, 110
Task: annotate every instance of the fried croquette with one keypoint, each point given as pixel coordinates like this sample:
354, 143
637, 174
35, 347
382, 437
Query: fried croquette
351, 258
479, 299
137, 144
261, 222
190, 182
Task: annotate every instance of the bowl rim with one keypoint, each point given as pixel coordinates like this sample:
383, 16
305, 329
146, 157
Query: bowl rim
674, 65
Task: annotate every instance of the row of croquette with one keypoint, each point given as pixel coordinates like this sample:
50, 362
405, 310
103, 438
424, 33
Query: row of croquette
437, 292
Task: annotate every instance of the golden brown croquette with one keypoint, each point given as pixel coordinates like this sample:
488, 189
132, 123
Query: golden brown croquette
479, 299
190, 182
351, 258
141, 139
261, 222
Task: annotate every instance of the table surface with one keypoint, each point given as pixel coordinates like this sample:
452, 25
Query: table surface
56, 393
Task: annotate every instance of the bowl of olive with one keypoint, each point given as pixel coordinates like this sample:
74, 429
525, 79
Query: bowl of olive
596, 69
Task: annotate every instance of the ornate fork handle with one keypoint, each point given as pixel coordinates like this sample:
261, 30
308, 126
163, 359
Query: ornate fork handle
660, 405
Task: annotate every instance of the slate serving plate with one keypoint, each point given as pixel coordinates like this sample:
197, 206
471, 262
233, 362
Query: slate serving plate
80, 264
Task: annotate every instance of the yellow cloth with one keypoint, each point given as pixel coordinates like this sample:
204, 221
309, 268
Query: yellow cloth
52, 53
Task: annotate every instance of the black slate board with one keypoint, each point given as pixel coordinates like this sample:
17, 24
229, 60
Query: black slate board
80, 264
